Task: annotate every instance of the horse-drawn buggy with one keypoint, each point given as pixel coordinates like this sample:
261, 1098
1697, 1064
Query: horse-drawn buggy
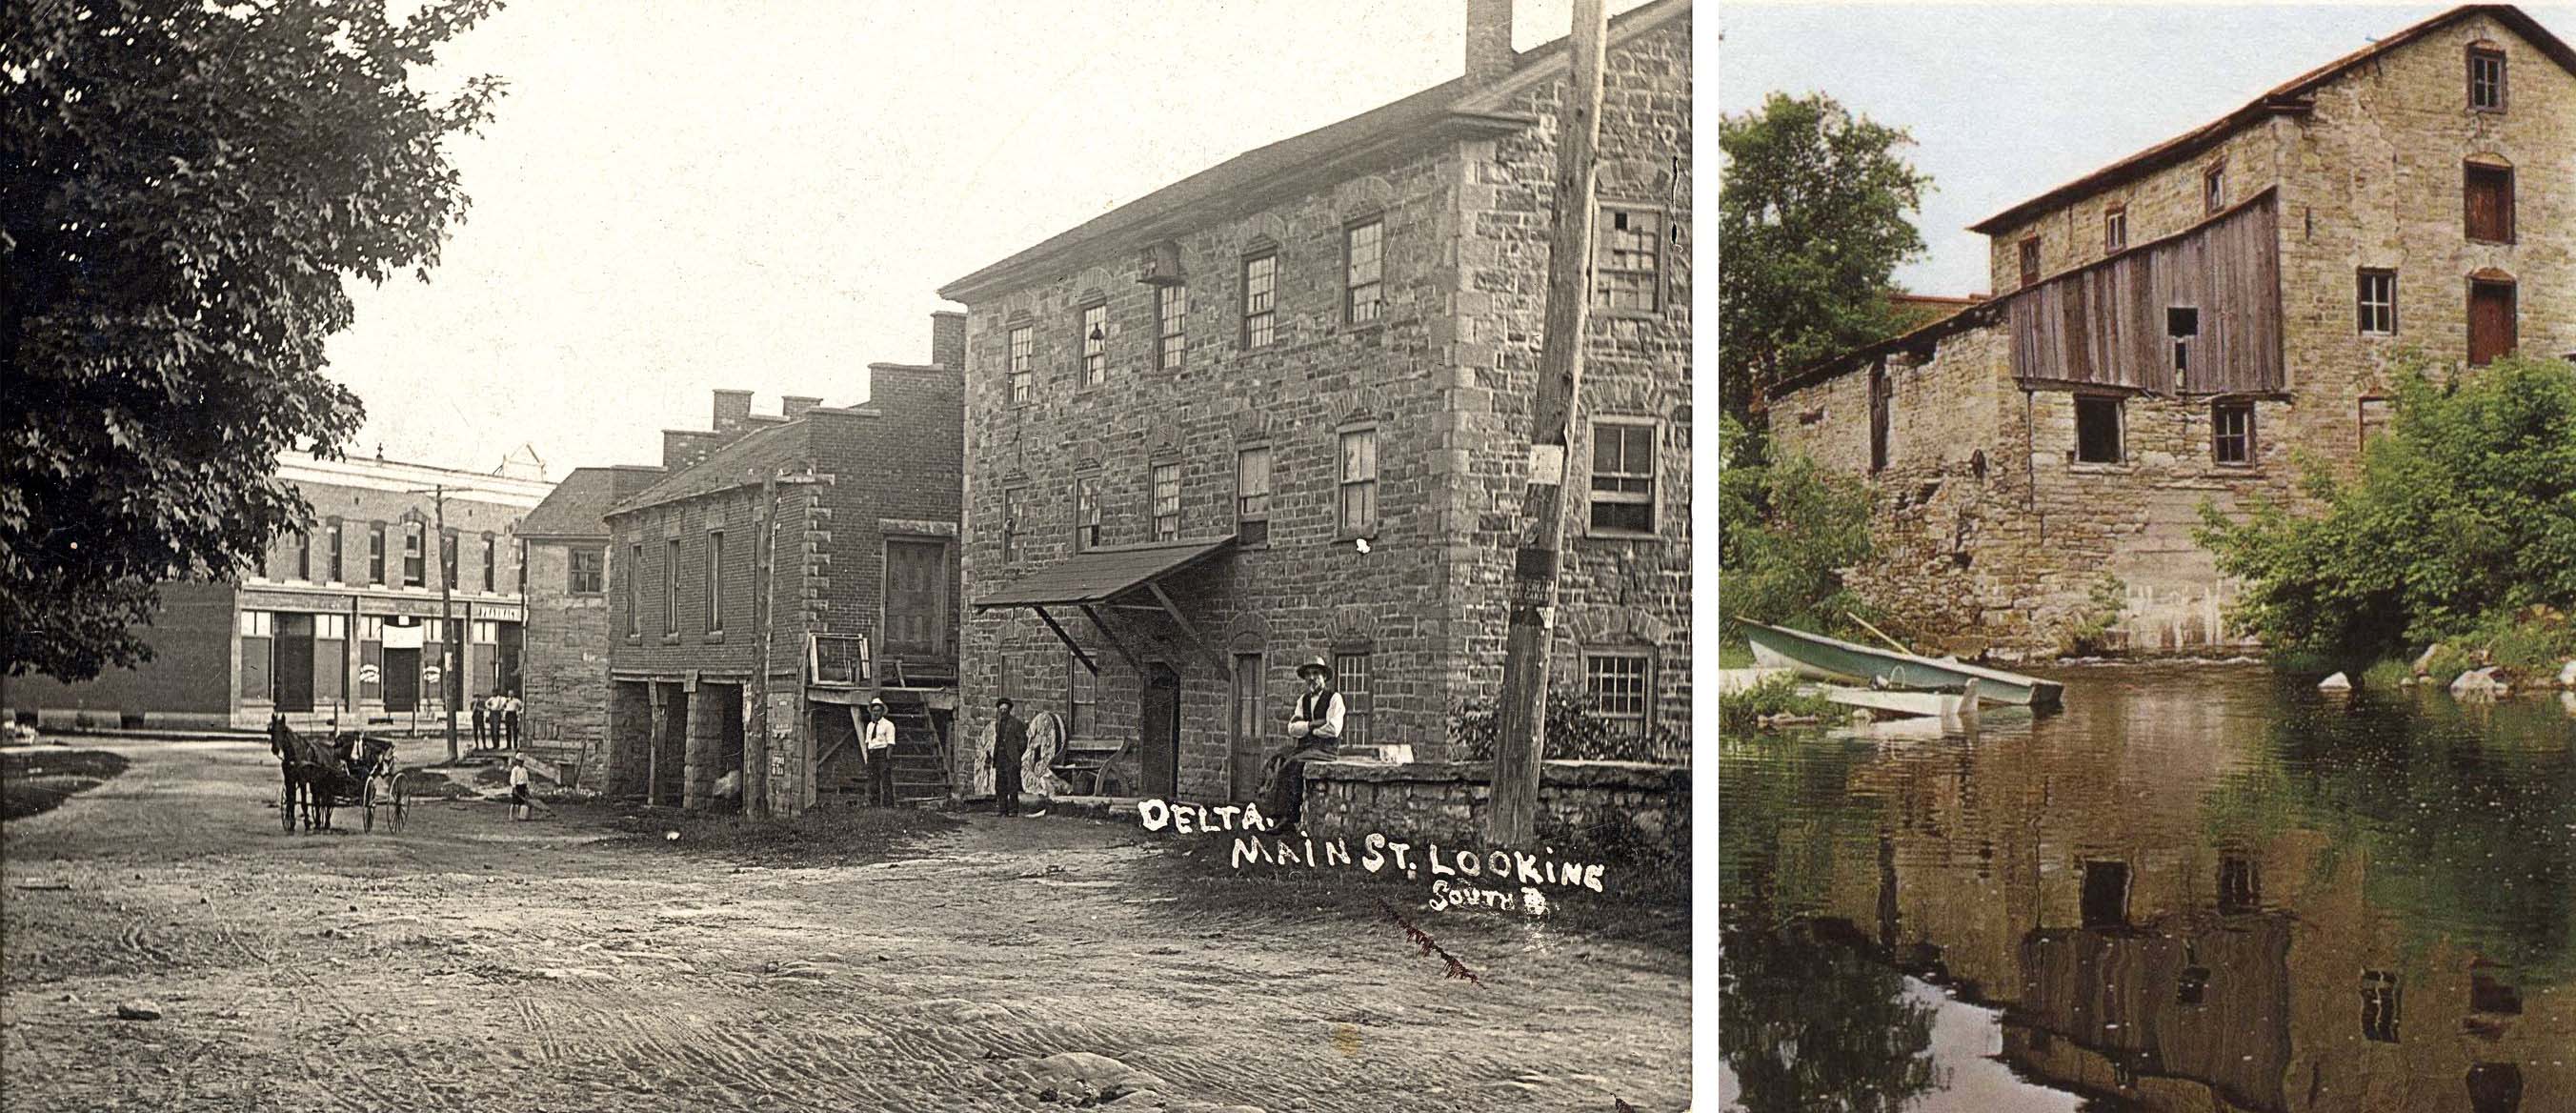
345, 771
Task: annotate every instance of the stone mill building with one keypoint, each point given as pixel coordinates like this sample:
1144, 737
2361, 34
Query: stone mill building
2180, 325
1280, 409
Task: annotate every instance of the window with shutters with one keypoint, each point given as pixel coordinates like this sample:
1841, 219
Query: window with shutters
1357, 501
2376, 302
1627, 274
1623, 476
2486, 79
2487, 197
1023, 341
1252, 496
1167, 502
1363, 257
2231, 432
1260, 300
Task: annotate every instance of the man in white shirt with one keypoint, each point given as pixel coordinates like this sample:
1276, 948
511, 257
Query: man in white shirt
1314, 734
879, 753
511, 709
522, 804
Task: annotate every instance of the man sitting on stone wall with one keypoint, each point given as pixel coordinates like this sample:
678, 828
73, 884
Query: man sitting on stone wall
1314, 734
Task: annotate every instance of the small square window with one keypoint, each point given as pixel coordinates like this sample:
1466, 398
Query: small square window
585, 574
2375, 302
2030, 261
2097, 430
2486, 79
2115, 229
2232, 433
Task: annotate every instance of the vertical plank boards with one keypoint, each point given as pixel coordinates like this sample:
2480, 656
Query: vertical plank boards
2106, 324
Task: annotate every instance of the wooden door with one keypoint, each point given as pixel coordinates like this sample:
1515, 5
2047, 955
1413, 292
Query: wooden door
916, 598
1159, 730
1245, 741
292, 662
2491, 321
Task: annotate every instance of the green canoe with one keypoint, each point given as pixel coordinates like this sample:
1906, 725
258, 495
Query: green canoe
1822, 658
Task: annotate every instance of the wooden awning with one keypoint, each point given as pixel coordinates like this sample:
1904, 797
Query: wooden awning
1092, 579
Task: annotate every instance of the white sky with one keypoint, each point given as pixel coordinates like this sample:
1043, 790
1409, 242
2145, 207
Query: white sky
685, 195
2007, 101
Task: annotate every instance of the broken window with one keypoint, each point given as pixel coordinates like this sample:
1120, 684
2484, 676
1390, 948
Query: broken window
2487, 199
2231, 442
2379, 1003
2182, 326
2030, 261
2097, 429
1628, 272
2486, 79
2376, 302
2491, 321
1623, 477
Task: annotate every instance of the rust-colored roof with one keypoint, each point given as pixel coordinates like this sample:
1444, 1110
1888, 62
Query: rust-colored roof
2292, 96
1451, 104
1097, 575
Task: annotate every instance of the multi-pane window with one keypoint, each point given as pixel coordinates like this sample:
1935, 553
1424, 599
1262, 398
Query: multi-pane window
1351, 679
1167, 502
2487, 200
2376, 302
2213, 188
375, 552
715, 582
2231, 432
1023, 340
1086, 513
1014, 503
2115, 229
584, 573
2097, 429
1095, 345
447, 558
634, 590
335, 551
1358, 489
1363, 251
1252, 496
1260, 300
1172, 314
415, 571
1629, 272
2379, 1006
671, 586
2030, 261
1617, 683
2486, 79
491, 562
1623, 477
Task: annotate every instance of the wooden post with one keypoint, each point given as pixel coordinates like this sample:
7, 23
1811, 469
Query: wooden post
1520, 745
764, 578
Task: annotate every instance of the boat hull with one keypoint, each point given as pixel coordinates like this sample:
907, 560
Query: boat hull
1829, 659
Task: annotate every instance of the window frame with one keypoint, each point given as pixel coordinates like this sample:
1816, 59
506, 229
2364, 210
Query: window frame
2029, 249
634, 589
1359, 704
1351, 285
1269, 488
1079, 683
1344, 528
449, 556
1020, 364
2503, 177
338, 549
1014, 506
376, 554
1644, 658
574, 577
1172, 326
2213, 188
1658, 285
2178, 345
2115, 228
415, 567
2482, 52
2119, 428
1267, 315
1167, 523
1653, 476
1086, 500
491, 564
1094, 366
2375, 317
2219, 411
671, 587
714, 577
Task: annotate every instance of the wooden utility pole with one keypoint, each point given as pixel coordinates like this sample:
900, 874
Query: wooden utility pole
1521, 743
755, 742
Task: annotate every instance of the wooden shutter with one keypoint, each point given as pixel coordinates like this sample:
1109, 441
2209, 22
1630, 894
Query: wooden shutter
2491, 321
2487, 195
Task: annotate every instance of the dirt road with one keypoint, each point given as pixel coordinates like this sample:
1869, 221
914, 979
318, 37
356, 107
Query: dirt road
470, 963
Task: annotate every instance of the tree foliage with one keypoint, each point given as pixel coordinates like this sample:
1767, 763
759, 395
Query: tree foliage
1786, 530
1814, 216
184, 186
2462, 518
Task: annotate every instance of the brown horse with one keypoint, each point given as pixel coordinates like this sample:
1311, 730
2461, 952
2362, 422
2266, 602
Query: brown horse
312, 772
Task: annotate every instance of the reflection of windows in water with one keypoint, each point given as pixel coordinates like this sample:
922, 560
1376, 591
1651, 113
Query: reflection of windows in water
2488, 992
2495, 1088
2192, 987
2379, 1004
2106, 894
2240, 888
2123, 1075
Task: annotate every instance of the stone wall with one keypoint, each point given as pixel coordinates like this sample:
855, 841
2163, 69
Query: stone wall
1631, 811
564, 669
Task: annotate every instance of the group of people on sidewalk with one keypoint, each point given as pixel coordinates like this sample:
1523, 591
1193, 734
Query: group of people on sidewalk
1314, 734
496, 720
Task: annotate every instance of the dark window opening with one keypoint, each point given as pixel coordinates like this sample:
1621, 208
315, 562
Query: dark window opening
2490, 994
2486, 198
2192, 986
2097, 430
2495, 1088
2379, 1006
2240, 887
2115, 229
1880, 402
2106, 894
2213, 188
2182, 326
2375, 302
2231, 442
2030, 261
585, 575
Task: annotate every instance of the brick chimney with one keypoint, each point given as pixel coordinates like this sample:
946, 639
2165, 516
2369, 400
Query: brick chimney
793, 406
733, 410
948, 339
1490, 57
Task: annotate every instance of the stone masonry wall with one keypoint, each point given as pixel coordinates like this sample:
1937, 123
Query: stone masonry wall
1622, 808
565, 667
2159, 205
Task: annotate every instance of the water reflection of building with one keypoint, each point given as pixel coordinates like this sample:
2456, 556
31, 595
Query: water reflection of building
2149, 938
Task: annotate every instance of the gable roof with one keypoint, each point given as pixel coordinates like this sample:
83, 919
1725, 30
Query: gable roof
2294, 96
744, 460
1250, 180
574, 509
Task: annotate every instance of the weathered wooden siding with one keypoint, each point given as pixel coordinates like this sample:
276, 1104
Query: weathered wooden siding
2105, 324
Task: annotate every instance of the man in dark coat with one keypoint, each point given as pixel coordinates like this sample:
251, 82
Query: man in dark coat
1010, 741
1314, 734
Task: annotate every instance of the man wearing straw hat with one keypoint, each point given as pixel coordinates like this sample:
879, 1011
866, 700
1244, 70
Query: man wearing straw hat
1314, 733
878, 749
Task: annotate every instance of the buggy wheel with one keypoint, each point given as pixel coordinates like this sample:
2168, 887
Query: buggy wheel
399, 805
367, 800
286, 809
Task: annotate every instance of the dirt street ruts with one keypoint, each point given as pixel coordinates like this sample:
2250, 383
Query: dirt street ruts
471, 963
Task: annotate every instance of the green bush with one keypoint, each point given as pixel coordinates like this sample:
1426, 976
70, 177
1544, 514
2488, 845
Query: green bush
1575, 732
2461, 517
1786, 530
2386, 675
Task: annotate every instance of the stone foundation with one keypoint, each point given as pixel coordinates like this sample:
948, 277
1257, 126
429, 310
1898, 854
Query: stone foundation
1626, 810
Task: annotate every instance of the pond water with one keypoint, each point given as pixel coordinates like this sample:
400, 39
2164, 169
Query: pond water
2196, 888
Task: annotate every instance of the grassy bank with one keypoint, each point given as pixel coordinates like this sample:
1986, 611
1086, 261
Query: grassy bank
38, 781
1745, 710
